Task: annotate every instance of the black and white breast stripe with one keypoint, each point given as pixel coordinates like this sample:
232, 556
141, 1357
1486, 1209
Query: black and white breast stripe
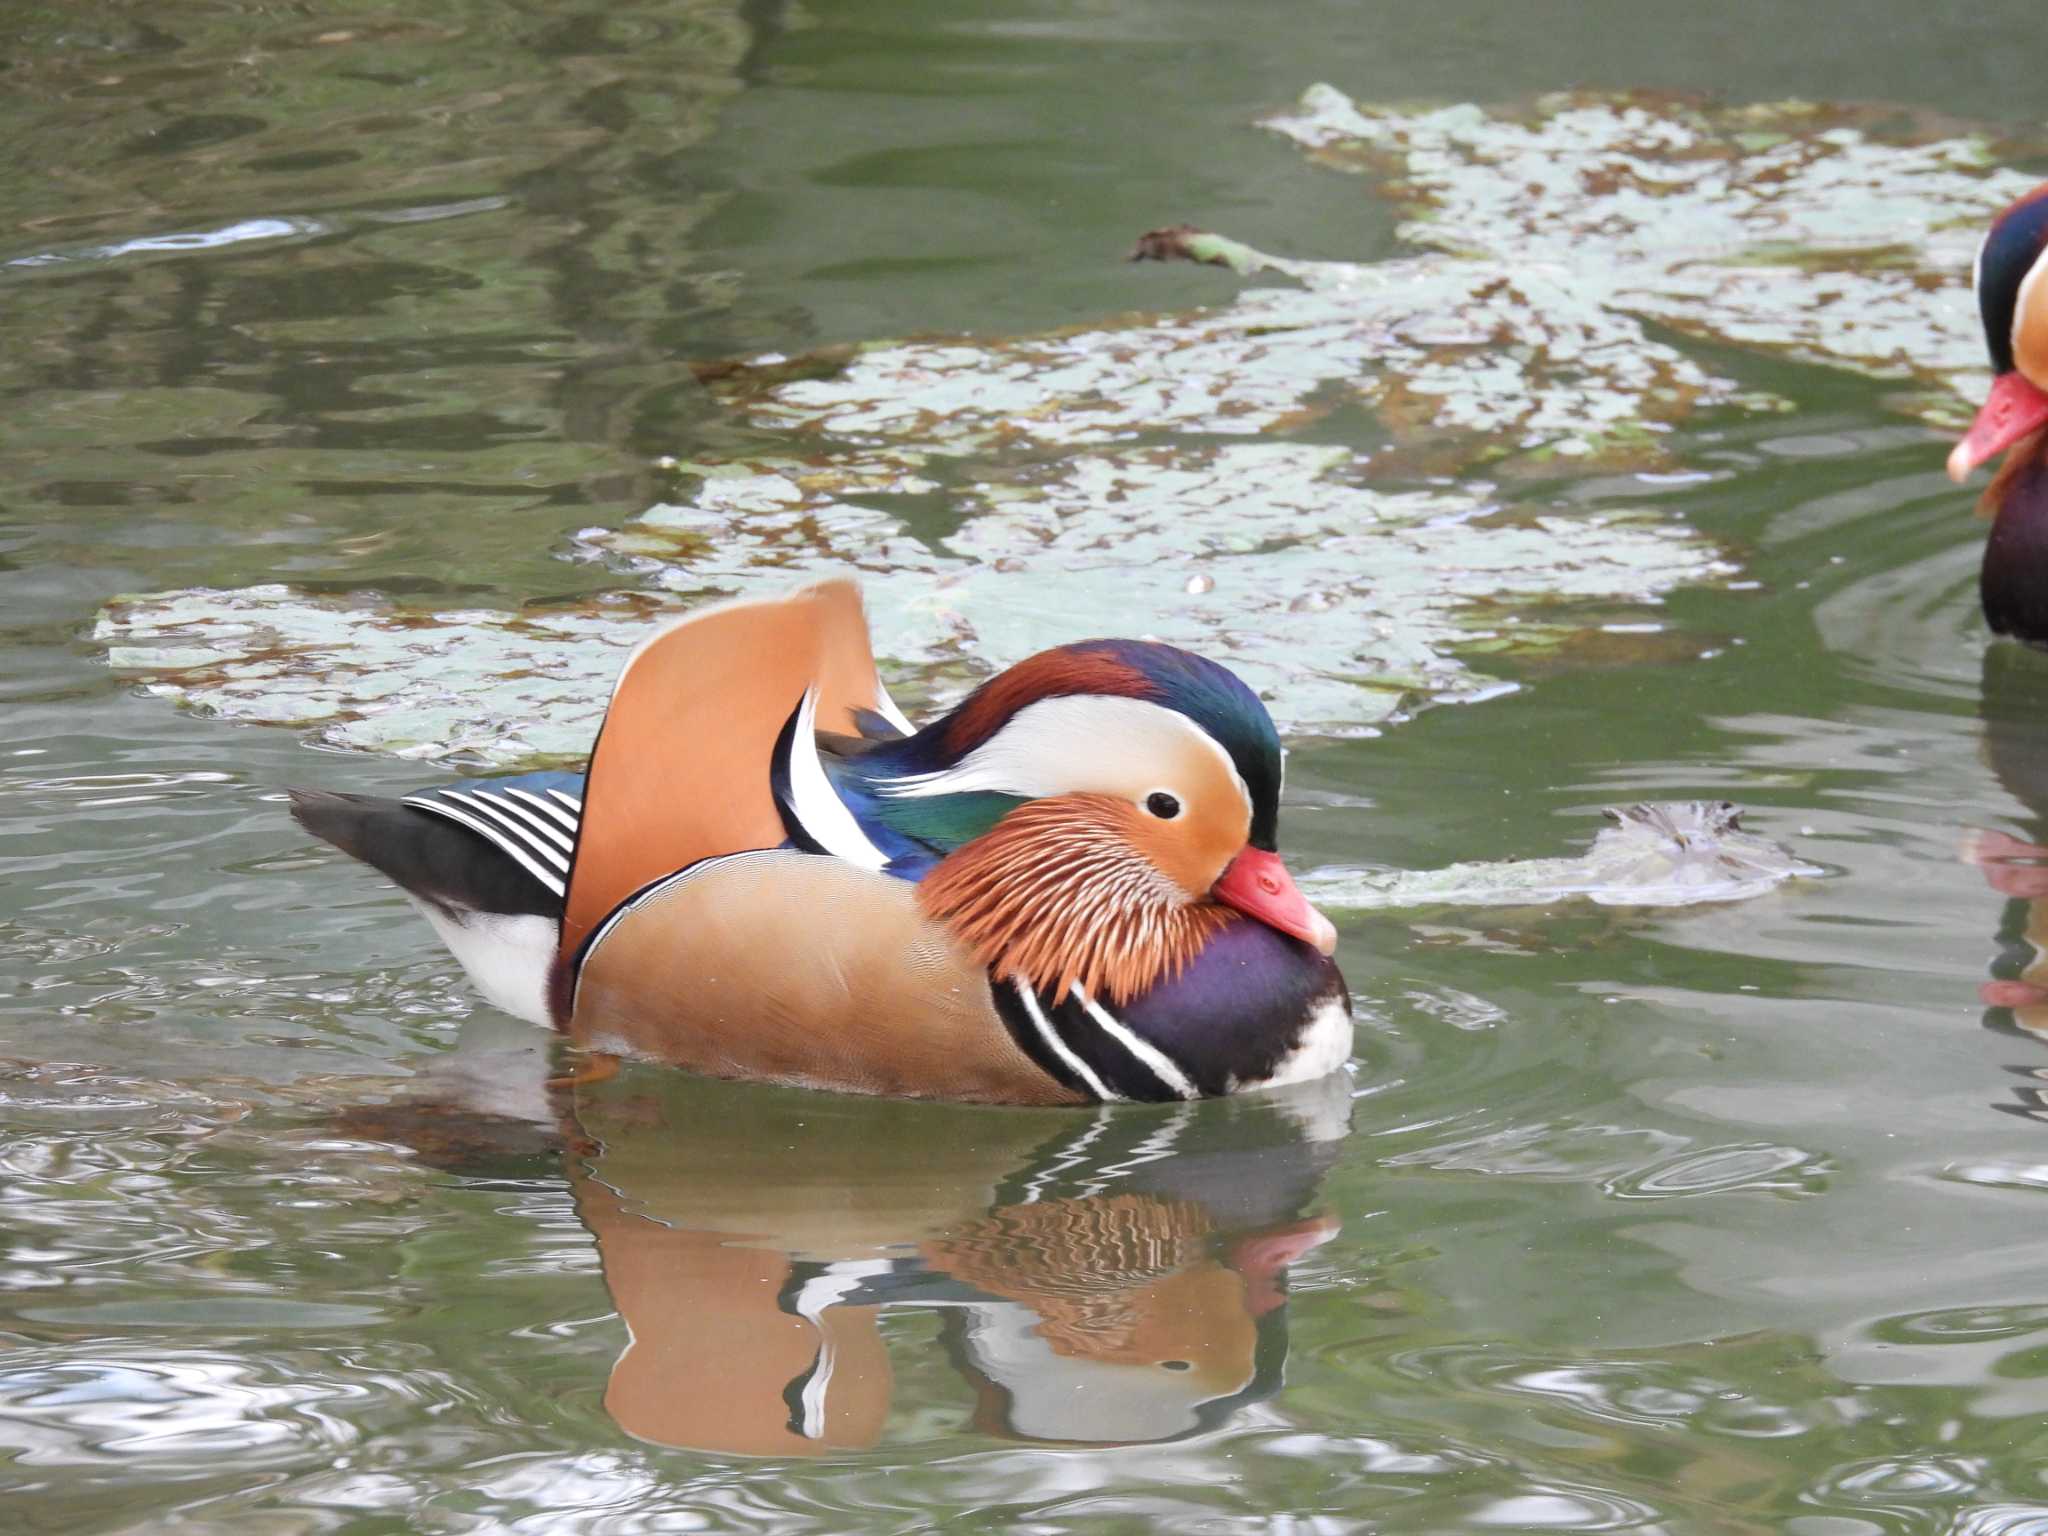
536, 831
1080, 1043
813, 815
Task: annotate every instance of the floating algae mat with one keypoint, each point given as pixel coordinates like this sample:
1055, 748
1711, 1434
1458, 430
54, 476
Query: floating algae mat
1787, 226
1150, 475
470, 685
1676, 854
1337, 602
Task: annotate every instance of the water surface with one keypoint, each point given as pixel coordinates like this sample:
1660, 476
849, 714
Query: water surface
1712, 1219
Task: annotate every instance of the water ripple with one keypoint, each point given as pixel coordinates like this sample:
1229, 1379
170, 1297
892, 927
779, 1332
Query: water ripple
1760, 1166
1541, 1151
2001, 1520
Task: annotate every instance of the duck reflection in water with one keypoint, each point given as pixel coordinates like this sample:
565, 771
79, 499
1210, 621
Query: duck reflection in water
1112, 1276
2013, 705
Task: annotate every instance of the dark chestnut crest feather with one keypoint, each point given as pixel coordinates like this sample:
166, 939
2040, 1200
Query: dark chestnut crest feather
1061, 673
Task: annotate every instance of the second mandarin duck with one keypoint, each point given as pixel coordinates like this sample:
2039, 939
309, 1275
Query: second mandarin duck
2012, 298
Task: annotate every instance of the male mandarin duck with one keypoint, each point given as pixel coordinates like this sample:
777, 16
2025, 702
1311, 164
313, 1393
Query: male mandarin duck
1064, 891
2012, 296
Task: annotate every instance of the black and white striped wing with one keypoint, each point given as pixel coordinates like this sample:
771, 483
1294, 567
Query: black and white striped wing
534, 825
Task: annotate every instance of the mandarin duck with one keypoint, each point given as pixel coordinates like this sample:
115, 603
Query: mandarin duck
1064, 891
2012, 297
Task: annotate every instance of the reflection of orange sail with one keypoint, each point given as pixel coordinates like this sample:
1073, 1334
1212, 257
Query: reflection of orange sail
710, 1351
1089, 1290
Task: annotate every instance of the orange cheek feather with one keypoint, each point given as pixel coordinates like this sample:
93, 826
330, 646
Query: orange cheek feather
1191, 851
1060, 892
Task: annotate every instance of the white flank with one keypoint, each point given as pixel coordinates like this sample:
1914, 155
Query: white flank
1061, 1049
1154, 1060
1325, 1046
506, 956
817, 805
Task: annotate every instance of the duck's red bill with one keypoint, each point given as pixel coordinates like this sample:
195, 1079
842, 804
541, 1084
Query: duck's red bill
1261, 1257
2012, 410
1258, 885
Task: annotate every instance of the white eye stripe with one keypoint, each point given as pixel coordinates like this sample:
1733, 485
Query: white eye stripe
1083, 743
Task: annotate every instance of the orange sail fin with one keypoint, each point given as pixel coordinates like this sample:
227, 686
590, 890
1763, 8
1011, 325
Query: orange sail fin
680, 771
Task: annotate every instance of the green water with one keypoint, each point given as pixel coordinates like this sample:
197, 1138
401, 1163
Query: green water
1708, 1220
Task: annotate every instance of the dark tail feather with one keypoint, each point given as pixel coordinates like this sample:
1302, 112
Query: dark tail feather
437, 860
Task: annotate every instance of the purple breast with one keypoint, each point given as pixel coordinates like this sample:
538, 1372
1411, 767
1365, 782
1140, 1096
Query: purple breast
2014, 582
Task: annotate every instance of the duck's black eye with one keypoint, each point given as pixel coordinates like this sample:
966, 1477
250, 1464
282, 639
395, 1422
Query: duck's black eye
1162, 805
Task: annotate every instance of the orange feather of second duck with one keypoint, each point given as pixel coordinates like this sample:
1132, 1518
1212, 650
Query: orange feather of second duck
1066, 890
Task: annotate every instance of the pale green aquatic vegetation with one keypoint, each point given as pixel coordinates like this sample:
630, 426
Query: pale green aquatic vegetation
472, 686
1785, 226
1001, 495
1654, 855
1461, 354
1338, 602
